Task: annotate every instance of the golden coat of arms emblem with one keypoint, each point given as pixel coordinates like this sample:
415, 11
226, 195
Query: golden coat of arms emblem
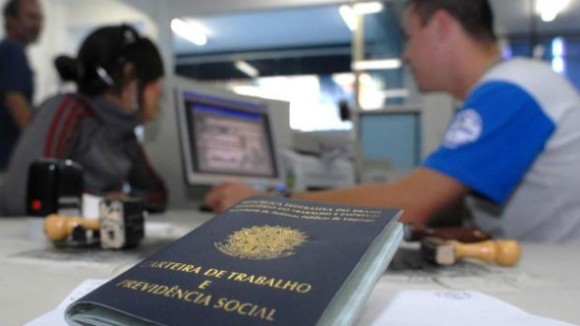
262, 242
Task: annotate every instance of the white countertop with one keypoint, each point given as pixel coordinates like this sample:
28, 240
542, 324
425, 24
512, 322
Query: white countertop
35, 276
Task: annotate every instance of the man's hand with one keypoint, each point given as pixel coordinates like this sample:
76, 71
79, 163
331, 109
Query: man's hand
19, 108
117, 195
223, 196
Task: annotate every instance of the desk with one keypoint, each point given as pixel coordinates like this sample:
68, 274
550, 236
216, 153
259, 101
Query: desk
34, 277
544, 283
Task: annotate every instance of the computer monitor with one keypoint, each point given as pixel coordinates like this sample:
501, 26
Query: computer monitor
225, 135
392, 135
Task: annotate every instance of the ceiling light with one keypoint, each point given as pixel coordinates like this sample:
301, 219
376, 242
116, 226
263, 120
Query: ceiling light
558, 53
558, 47
366, 8
558, 65
344, 79
376, 64
189, 30
247, 68
348, 13
549, 9
396, 93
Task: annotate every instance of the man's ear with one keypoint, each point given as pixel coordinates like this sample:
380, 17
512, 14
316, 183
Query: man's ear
443, 25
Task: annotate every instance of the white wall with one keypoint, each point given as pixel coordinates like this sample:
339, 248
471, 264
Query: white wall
51, 43
437, 109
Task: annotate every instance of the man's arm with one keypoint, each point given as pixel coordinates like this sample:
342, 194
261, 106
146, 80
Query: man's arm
421, 194
18, 108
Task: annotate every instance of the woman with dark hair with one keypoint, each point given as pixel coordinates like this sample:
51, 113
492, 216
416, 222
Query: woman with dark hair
118, 74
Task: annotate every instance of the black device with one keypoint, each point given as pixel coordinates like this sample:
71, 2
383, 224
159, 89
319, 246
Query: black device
122, 223
54, 186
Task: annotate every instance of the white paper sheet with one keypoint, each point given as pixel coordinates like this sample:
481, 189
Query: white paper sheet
56, 317
455, 308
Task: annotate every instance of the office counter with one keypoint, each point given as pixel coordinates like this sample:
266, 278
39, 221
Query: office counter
35, 277
544, 283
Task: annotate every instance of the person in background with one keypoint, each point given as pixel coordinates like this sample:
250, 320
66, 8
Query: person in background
118, 76
23, 24
513, 148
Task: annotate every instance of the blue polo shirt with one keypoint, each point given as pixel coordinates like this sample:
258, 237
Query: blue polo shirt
16, 76
515, 143
494, 139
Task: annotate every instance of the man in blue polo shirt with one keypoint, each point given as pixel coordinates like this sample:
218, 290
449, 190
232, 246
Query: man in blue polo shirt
23, 23
513, 148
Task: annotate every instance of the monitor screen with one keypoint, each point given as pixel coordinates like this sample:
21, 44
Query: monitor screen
224, 137
394, 136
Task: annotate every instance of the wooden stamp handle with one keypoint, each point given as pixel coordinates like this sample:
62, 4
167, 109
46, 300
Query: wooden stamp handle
501, 252
58, 227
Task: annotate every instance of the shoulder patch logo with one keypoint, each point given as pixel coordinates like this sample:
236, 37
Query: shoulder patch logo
465, 128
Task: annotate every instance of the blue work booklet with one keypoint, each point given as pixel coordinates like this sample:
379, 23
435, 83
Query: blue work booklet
266, 261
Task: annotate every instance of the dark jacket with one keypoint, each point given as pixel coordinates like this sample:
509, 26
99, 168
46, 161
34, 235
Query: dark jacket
97, 134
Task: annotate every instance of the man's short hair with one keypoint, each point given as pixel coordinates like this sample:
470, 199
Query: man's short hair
475, 16
12, 8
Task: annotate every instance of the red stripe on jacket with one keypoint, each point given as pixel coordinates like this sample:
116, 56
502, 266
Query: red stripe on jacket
50, 138
66, 131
